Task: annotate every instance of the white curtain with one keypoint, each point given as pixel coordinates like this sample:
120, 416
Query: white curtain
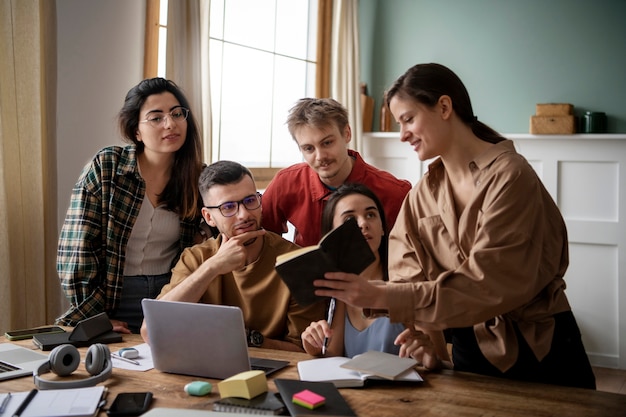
345, 69
188, 59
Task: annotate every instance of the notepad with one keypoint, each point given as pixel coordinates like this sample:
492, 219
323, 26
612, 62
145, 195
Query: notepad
76, 402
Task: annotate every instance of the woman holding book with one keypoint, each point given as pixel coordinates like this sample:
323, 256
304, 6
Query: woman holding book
350, 332
479, 246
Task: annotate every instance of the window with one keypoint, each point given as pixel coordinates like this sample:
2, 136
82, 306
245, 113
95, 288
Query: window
262, 60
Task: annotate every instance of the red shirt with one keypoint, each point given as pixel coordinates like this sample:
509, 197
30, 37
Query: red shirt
297, 195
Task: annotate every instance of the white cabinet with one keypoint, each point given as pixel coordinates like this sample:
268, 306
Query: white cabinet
586, 176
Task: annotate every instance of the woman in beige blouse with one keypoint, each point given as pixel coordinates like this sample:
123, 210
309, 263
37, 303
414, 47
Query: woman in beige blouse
479, 247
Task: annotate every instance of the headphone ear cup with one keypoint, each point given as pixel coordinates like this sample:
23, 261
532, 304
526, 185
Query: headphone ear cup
96, 359
64, 360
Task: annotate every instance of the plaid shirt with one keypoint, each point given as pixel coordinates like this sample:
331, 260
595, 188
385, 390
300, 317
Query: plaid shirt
104, 205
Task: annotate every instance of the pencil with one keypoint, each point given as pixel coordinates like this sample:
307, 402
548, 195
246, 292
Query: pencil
331, 313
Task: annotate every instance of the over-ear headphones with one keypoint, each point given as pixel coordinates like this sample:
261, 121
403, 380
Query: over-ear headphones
64, 359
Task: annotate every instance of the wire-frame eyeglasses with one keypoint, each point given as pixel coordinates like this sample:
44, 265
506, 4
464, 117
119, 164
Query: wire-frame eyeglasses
158, 119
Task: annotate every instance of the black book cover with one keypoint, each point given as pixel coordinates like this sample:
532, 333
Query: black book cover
342, 249
335, 404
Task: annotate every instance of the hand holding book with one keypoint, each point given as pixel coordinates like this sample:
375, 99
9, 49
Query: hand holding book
343, 249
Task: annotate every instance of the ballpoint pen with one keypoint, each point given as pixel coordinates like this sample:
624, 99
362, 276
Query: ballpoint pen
116, 356
331, 313
4, 403
25, 403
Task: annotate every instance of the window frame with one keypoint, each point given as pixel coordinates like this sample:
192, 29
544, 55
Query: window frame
323, 58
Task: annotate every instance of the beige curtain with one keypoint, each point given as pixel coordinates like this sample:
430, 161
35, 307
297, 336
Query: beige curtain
29, 289
345, 70
188, 59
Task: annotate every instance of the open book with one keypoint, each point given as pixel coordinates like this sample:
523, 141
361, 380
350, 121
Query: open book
342, 249
372, 366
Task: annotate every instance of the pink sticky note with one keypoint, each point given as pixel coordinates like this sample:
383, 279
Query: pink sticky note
308, 399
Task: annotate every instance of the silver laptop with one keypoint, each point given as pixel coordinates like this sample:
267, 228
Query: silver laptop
197, 339
17, 361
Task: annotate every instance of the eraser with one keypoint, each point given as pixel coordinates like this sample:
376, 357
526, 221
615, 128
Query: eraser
128, 353
198, 388
308, 399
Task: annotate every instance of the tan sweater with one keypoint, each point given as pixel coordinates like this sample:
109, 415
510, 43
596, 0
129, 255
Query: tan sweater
257, 289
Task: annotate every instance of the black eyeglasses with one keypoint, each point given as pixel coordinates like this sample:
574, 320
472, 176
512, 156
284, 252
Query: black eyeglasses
158, 119
230, 208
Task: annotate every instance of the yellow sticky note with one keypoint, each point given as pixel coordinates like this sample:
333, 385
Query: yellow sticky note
247, 384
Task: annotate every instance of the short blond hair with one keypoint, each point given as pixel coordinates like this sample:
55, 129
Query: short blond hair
317, 112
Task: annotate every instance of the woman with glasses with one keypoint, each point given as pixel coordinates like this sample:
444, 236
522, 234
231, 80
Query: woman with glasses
133, 209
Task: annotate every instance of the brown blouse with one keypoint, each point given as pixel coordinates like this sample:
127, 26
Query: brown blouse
501, 261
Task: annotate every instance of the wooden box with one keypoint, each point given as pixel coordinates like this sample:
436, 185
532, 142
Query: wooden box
551, 125
554, 109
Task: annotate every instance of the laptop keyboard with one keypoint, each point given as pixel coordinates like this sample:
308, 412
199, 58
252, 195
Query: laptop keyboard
7, 367
261, 368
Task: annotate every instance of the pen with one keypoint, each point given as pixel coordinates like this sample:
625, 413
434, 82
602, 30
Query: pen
25, 403
331, 312
3, 406
116, 356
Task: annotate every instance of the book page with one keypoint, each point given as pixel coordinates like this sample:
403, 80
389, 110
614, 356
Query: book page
382, 364
294, 254
329, 370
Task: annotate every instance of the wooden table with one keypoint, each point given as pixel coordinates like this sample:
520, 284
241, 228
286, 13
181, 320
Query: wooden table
444, 393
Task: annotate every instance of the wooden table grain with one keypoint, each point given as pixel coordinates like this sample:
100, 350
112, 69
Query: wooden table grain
444, 393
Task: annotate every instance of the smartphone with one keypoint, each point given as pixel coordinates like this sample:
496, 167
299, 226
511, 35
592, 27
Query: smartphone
29, 333
130, 404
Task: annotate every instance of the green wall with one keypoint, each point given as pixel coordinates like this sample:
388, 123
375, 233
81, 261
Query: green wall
510, 54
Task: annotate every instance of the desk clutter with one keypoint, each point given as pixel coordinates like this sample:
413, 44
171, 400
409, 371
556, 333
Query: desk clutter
462, 393
247, 393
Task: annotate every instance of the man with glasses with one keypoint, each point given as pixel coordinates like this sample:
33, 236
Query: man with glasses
237, 267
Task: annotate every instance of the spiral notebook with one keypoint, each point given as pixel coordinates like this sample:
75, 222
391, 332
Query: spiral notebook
264, 404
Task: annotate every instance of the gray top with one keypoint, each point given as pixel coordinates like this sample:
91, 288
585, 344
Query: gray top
378, 336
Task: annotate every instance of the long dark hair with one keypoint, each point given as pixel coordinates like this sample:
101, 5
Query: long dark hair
355, 188
426, 83
181, 192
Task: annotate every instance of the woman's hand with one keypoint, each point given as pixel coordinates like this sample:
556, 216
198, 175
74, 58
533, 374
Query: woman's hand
352, 290
419, 346
120, 326
313, 337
